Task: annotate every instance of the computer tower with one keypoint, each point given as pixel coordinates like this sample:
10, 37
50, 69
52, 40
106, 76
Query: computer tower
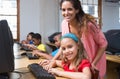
6, 48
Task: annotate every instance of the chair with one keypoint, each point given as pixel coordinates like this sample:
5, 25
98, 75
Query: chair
113, 38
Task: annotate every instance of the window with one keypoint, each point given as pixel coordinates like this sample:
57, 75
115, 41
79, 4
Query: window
92, 7
9, 11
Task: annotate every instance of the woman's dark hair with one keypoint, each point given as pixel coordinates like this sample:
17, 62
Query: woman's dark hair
37, 36
77, 6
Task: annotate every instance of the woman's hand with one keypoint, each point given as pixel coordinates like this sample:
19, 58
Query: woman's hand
93, 66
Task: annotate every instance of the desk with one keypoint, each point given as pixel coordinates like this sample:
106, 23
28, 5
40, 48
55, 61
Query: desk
22, 63
113, 62
113, 58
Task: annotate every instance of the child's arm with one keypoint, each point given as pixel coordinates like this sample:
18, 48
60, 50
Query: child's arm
42, 54
46, 65
59, 63
86, 74
51, 64
30, 46
57, 55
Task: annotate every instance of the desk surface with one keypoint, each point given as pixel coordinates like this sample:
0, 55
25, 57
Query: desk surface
22, 63
113, 58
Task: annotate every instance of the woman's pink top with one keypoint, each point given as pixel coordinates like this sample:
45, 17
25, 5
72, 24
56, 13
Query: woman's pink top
93, 40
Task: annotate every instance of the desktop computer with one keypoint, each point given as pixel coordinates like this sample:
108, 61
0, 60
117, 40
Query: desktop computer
6, 50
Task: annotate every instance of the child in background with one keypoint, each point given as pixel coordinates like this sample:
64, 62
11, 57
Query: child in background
52, 40
56, 38
28, 39
51, 37
74, 63
37, 44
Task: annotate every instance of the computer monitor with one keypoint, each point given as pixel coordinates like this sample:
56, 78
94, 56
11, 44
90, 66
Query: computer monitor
6, 48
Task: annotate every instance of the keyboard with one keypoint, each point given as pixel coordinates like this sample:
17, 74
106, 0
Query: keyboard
30, 56
23, 47
39, 72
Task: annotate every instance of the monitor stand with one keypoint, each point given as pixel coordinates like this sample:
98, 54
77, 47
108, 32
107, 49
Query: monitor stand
4, 76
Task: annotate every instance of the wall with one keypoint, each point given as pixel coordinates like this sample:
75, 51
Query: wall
38, 16
29, 17
110, 16
44, 17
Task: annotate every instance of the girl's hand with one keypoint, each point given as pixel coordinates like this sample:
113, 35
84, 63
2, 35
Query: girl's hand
50, 65
54, 71
44, 62
47, 64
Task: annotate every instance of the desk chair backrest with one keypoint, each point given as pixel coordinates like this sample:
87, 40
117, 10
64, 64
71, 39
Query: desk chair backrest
113, 38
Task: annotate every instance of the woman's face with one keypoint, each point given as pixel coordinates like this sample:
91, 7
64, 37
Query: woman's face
69, 48
68, 11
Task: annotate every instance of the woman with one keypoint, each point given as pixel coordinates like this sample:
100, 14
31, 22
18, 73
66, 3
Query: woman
84, 26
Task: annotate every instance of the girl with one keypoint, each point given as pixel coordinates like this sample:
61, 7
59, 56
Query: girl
74, 62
